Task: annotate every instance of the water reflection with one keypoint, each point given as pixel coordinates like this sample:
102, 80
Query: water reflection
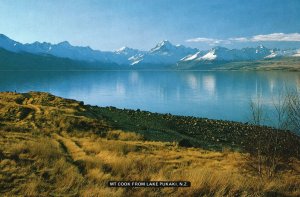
192, 81
209, 83
219, 95
134, 77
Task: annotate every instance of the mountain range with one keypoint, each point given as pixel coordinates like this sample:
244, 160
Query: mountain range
163, 55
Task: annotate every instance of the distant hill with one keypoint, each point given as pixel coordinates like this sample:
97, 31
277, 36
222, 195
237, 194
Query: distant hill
27, 61
280, 63
283, 63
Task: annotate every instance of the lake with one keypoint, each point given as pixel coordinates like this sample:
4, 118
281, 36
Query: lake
213, 94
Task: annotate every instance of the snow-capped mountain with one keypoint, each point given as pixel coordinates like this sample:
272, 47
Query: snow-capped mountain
220, 55
195, 56
66, 50
297, 53
163, 53
129, 52
224, 54
128, 55
63, 49
283, 53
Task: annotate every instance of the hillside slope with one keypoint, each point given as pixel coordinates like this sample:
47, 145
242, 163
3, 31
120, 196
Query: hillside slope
52, 146
35, 111
27, 61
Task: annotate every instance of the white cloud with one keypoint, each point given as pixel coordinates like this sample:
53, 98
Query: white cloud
277, 37
239, 39
210, 41
274, 37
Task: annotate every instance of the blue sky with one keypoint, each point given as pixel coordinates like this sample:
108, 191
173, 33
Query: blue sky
111, 24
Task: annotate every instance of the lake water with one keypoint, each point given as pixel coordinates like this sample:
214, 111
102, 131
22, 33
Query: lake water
218, 95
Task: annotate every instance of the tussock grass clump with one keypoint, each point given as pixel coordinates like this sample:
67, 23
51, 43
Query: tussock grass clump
87, 163
97, 176
125, 136
95, 190
114, 146
32, 187
36, 166
45, 149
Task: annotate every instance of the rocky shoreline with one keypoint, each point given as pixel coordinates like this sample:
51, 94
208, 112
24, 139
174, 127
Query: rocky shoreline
37, 111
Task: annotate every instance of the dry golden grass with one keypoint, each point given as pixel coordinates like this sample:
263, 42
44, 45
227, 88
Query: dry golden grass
63, 165
125, 136
51, 146
45, 113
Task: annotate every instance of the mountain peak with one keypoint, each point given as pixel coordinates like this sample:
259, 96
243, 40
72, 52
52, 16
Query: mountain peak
127, 51
9, 44
40, 44
164, 42
164, 45
261, 46
123, 49
2, 36
64, 43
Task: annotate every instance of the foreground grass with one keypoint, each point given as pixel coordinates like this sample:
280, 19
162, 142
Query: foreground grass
82, 164
37, 111
50, 146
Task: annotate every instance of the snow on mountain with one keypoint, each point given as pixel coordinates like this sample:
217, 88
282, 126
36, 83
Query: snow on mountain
127, 51
283, 53
209, 56
297, 54
66, 50
122, 56
195, 56
224, 54
126, 55
164, 53
163, 47
272, 55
